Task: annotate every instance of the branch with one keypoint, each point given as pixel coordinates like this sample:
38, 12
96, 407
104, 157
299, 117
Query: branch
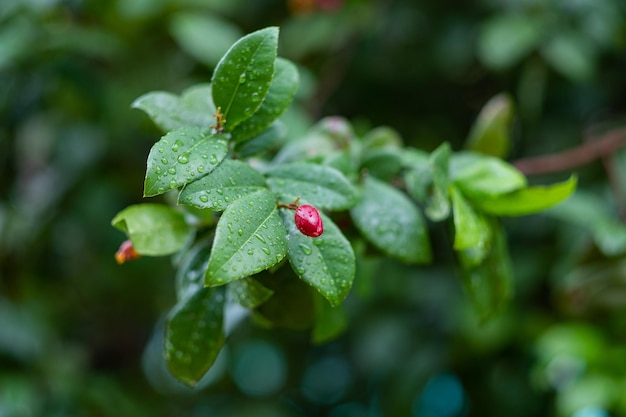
604, 146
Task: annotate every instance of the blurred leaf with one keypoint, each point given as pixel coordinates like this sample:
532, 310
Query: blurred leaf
249, 238
528, 200
281, 92
382, 163
17, 40
505, 39
248, 292
190, 273
438, 203
491, 132
194, 335
330, 321
269, 140
389, 220
291, 306
194, 108
228, 182
154, 229
480, 176
180, 157
205, 37
488, 284
319, 185
243, 76
381, 137
570, 54
326, 263
470, 228
418, 176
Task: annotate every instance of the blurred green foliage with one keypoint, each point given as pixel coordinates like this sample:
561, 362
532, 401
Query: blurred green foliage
74, 326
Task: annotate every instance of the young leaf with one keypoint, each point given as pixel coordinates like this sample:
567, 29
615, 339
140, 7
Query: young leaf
180, 157
330, 321
228, 182
470, 228
194, 335
389, 220
243, 76
154, 229
326, 263
320, 185
480, 176
249, 238
194, 108
278, 98
489, 284
249, 292
438, 205
528, 200
491, 133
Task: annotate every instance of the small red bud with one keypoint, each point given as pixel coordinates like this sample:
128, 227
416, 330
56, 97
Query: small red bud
126, 252
308, 221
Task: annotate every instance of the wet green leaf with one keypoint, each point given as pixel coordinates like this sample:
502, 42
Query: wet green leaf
480, 176
194, 334
319, 185
194, 108
326, 263
528, 200
228, 182
491, 132
190, 273
438, 203
249, 292
180, 157
243, 76
154, 229
278, 98
271, 139
249, 238
389, 220
470, 228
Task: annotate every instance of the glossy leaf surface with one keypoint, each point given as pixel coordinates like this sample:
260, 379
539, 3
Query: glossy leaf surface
249, 292
249, 238
389, 220
438, 203
470, 228
180, 157
491, 133
480, 176
154, 229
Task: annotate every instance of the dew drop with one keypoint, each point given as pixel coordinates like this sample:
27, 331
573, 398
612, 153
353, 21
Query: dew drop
164, 161
305, 248
200, 168
172, 171
173, 183
266, 250
204, 198
250, 252
261, 238
240, 232
183, 159
157, 170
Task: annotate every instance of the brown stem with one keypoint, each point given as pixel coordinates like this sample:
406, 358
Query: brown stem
605, 145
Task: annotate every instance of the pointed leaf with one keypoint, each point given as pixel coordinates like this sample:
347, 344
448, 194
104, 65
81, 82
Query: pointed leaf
168, 111
249, 292
470, 228
228, 182
319, 185
438, 205
480, 176
528, 200
278, 98
491, 133
180, 157
154, 229
249, 238
389, 220
243, 76
194, 335
327, 262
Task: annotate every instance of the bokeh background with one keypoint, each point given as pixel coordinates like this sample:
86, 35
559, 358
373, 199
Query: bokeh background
80, 335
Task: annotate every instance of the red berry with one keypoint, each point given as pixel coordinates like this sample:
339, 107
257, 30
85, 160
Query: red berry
126, 252
308, 221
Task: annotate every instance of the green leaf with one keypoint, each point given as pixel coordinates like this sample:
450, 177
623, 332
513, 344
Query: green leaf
480, 176
194, 335
271, 139
319, 185
205, 37
182, 156
381, 137
154, 229
528, 200
418, 175
470, 228
168, 111
383, 163
190, 273
506, 39
228, 182
491, 133
438, 205
291, 306
278, 98
489, 284
571, 54
243, 76
249, 292
330, 321
389, 220
326, 263
249, 238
